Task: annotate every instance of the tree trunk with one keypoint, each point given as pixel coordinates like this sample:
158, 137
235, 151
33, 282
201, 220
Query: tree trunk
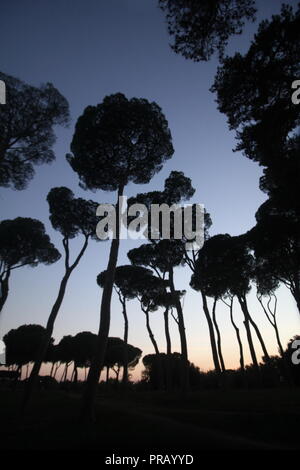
56, 369
4, 285
243, 304
169, 352
258, 334
75, 374
33, 379
286, 366
219, 344
183, 342
65, 372
296, 292
211, 334
281, 350
52, 369
153, 341
125, 353
238, 337
272, 322
89, 396
151, 335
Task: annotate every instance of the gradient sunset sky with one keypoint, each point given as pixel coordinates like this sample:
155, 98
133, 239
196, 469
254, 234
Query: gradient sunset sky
93, 48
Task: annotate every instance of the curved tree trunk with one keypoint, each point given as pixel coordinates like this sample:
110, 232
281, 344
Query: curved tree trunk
52, 369
167, 331
183, 342
238, 336
169, 352
33, 379
273, 322
125, 353
75, 374
219, 344
89, 396
259, 336
65, 372
153, 341
243, 304
151, 335
211, 334
4, 285
295, 290
56, 369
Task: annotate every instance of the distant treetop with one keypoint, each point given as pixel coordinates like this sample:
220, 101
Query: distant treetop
199, 28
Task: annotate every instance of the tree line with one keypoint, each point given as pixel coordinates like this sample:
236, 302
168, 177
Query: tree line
22, 349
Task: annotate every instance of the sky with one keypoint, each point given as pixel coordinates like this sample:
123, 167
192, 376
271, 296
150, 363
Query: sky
93, 48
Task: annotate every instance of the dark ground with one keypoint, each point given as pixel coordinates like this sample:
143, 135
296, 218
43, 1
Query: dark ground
146, 421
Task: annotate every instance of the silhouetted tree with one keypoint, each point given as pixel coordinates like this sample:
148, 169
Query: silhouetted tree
22, 344
254, 91
276, 243
163, 255
228, 300
54, 359
71, 217
200, 281
65, 353
151, 373
116, 142
167, 300
210, 277
23, 242
199, 28
125, 286
236, 266
26, 129
241, 266
83, 350
114, 356
266, 285
148, 287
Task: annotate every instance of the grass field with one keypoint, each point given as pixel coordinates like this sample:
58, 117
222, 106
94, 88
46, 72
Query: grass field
144, 421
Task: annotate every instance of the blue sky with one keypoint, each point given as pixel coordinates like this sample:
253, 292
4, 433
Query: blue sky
90, 49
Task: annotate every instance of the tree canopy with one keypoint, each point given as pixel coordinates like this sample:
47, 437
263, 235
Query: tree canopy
275, 240
224, 264
127, 279
26, 129
119, 141
22, 344
72, 216
254, 91
200, 28
23, 241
